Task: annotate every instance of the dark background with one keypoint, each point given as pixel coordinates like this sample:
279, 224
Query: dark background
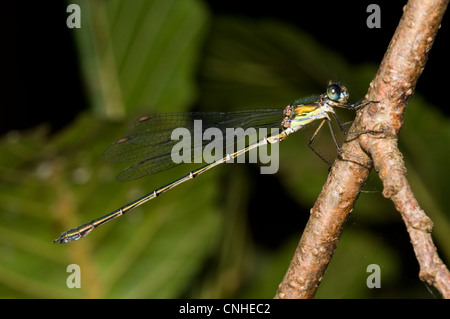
41, 80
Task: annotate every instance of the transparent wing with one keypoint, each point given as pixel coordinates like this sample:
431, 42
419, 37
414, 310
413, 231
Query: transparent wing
149, 140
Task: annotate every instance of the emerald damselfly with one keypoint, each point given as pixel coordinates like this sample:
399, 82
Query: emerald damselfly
148, 142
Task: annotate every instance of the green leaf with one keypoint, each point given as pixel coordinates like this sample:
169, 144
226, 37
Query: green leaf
136, 54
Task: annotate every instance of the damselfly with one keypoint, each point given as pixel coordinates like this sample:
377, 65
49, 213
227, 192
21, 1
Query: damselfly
148, 142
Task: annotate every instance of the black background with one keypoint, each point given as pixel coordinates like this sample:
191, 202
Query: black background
41, 80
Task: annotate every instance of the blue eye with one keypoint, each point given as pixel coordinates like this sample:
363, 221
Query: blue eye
334, 92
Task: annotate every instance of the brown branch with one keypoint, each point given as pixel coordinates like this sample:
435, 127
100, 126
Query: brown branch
393, 85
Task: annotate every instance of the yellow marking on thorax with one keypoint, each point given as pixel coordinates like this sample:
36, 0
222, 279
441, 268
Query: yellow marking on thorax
304, 109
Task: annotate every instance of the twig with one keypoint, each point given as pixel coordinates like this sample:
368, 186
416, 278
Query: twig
393, 85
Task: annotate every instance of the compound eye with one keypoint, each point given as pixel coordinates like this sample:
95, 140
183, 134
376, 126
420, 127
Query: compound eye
334, 91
